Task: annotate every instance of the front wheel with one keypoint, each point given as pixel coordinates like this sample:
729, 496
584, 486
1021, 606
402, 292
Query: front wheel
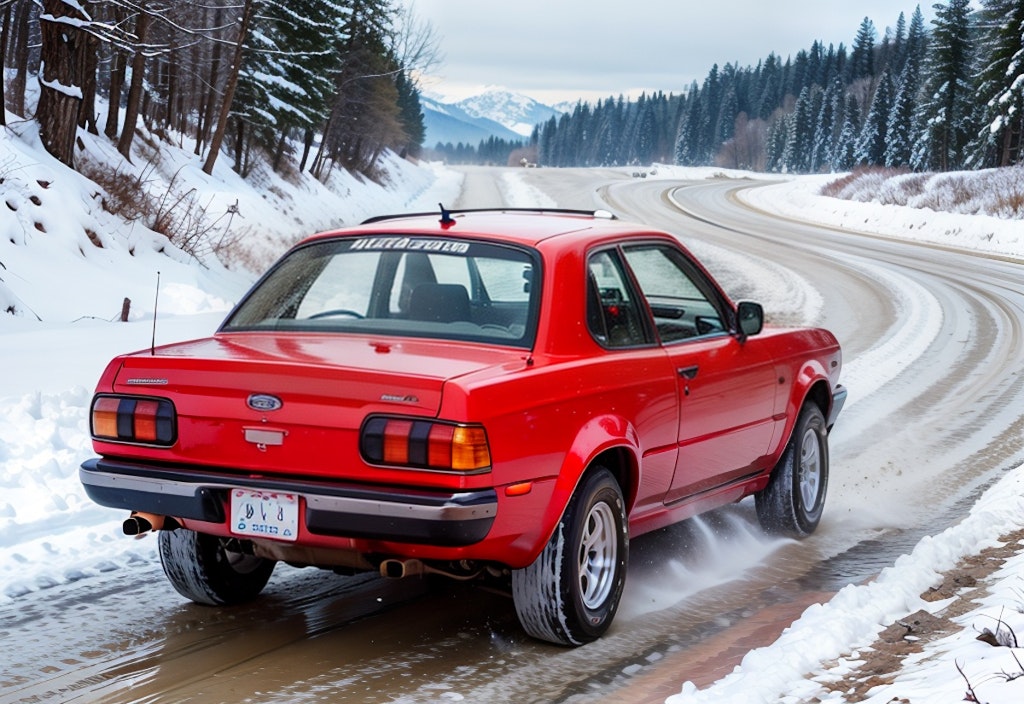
570, 593
793, 501
202, 568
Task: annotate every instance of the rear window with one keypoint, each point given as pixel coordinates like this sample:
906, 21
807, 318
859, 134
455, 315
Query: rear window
399, 285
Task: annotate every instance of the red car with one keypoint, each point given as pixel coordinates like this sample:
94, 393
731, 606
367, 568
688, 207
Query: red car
506, 392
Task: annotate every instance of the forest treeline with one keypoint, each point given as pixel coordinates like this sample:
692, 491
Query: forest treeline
315, 84
311, 84
947, 96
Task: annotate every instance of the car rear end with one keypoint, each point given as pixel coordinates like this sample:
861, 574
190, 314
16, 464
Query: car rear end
309, 424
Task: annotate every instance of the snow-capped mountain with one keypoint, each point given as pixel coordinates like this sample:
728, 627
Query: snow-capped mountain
448, 123
494, 113
517, 112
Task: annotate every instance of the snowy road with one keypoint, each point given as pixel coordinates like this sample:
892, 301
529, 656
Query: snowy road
934, 362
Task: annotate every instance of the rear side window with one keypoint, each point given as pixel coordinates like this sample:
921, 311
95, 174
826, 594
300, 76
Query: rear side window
399, 285
614, 314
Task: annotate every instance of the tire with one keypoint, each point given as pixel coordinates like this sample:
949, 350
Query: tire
792, 503
570, 594
200, 568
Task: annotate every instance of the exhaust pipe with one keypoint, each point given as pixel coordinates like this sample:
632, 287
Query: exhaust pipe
141, 522
397, 569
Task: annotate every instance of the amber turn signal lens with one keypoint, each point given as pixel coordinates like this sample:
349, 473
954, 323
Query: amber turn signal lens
469, 448
104, 417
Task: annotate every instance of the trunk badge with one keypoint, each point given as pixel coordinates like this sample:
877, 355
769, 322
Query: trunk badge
263, 402
396, 398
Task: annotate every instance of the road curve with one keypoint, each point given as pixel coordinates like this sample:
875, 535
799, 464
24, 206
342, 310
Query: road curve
934, 361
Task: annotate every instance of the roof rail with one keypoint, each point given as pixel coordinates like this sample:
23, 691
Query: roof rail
446, 214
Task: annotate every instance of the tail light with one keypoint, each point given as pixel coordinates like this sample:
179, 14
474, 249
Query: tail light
134, 419
425, 444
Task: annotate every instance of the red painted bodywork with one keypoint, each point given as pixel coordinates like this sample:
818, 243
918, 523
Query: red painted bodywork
678, 446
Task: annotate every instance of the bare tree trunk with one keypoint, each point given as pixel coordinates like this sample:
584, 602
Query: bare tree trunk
131, 114
20, 81
229, 89
307, 144
173, 97
279, 150
87, 111
206, 114
63, 53
117, 70
4, 34
239, 143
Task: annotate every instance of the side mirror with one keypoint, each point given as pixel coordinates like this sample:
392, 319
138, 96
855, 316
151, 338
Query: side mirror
749, 318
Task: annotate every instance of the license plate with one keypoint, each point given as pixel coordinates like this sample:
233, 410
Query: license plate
262, 514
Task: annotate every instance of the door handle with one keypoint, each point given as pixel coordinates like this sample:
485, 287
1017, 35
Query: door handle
688, 373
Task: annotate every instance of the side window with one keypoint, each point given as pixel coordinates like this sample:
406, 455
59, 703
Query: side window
613, 314
683, 304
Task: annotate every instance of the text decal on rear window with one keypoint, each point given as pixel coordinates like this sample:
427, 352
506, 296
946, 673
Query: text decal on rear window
410, 244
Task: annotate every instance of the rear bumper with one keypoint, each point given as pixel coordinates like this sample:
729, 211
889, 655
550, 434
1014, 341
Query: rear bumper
444, 519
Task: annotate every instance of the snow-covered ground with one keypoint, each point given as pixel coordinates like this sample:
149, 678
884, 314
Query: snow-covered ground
66, 266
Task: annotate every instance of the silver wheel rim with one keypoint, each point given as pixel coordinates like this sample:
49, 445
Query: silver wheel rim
598, 551
809, 480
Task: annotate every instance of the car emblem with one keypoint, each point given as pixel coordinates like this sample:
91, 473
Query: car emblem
395, 398
263, 402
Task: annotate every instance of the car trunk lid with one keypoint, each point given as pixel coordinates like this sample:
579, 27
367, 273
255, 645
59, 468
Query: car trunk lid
294, 403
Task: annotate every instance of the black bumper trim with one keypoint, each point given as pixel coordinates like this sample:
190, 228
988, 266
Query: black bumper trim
444, 519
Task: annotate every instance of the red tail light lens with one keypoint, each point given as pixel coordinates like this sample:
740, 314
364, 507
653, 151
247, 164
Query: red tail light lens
134, 419
425, 444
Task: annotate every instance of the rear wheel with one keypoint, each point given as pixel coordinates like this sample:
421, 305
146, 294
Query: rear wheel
570, 593
793, 501
201, 568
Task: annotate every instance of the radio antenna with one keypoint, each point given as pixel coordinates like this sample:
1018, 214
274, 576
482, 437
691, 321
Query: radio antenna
152, 344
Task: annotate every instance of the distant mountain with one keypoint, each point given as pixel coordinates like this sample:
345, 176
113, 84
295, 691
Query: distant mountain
447, 122
515, 111
493, 113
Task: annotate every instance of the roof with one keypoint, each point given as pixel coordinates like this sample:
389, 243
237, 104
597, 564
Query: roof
521, 226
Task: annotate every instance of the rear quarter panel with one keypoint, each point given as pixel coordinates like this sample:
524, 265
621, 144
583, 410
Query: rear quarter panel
808, 362
547, 422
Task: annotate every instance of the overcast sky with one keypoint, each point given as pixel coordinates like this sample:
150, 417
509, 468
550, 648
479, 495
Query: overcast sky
556, 50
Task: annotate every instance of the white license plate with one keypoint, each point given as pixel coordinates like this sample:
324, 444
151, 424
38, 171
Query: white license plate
262, 514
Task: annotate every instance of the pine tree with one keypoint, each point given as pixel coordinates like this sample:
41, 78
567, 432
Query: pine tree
899, 47
825, 127
900, 123
800, 135
411, 114
946, 108
775, 146
1001, 85
862, 58
870, 148
844, 154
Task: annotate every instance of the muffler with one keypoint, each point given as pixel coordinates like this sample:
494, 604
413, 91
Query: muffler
141, 522
398, 569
